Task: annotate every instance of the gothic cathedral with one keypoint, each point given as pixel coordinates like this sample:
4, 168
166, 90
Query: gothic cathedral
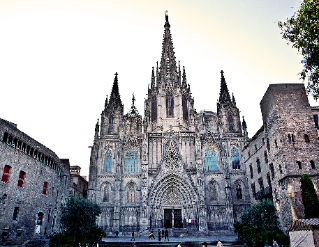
174, 168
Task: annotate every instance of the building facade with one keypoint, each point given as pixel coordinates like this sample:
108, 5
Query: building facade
174, 167
34, 183
79, 184
285, 147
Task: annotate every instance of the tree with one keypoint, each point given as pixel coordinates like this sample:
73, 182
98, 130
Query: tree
302, 30
260, 225
78, 219
309, 197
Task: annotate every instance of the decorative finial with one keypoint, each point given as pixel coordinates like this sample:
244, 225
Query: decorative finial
222, 73
166, 16
116, 74
133, 99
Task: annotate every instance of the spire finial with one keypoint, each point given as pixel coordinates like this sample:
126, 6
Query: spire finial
133, 99
222, 73
166, 16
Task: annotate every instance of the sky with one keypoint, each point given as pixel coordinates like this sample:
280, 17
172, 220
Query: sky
58, 59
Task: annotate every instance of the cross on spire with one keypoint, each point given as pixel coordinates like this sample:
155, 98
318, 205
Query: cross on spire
133, 99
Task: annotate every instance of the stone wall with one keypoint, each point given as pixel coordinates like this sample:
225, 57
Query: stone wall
30, 204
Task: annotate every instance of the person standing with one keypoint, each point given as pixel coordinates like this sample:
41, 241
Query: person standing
117, 233
219, 244
133, 236
275, 243
166, 234
159, 235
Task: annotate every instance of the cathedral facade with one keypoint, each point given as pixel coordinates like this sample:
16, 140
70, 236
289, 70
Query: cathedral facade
174, 167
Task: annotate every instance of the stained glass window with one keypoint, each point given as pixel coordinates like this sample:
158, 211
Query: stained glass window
235, 158
108, 161
131, 161
210, 159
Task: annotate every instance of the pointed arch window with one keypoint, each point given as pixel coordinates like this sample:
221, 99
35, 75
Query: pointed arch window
106, 193
108, 161
185, 110
235, 158
169, 105
131, 193
131, 161
210, 159
213, 191
154, 109
230, 122
111, 124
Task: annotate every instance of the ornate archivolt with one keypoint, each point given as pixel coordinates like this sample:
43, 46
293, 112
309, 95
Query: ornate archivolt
172, 186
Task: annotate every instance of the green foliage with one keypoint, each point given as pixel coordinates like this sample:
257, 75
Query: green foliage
78, 218
260, 225
302, 30
309, 197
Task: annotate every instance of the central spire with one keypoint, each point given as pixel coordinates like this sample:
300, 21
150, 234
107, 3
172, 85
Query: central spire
168, 68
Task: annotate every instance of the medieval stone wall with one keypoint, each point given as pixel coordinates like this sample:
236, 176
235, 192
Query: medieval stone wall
30, 203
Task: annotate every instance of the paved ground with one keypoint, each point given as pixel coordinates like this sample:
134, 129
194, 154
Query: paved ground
187, 241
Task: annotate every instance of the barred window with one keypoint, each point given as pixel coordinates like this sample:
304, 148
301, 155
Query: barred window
210, 159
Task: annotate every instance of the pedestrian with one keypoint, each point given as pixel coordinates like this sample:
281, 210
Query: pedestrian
117, 234
159, 235
275, 243
166, 235
79, 244
133, 236
152, 234
134, 244
86, 245
163, 233
204, 244
180, 244
187, 232
219, 244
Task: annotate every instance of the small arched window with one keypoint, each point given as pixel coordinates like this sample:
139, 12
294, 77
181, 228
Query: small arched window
235, 158
258, 165
210, 159
312, 164
131, 161
169, 105
130, 193
108, 161
289, 138
307, 138
299, 165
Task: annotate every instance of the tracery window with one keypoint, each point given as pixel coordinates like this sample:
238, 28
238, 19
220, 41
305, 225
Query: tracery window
235, 158
213, 191
239, 193
169, 105
210, 159
108, 161
230, 122
185, 110
111, 124
154, 109
131, 193
106, 193
131, 161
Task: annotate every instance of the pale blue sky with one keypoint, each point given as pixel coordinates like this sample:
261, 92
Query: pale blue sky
58, 59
